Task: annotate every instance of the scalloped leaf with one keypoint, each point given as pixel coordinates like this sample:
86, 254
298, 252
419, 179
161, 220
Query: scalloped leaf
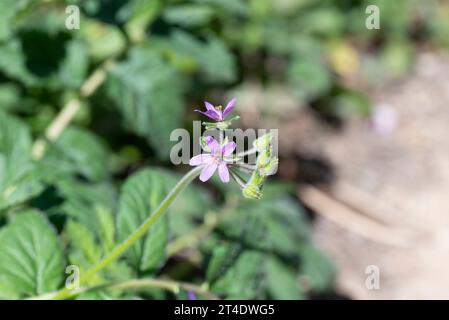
31, 259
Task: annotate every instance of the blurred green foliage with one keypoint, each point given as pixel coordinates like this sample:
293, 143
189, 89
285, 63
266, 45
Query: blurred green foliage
73, 205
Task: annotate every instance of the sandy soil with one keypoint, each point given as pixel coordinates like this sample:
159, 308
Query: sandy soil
388, 205
399, 160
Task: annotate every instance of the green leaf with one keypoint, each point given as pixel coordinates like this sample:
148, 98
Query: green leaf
242, 279
147, 91
190, 207
75, 66
308, 77
274, 224
9, 96
317, 269
31, 261
18, 182
64, 64
223, 256
84, 251
22, 189
286, 226
141, 194
247, 226
106, 227
325, 22
237, 265
349, 103
188, 15
87, 203
231, 6
103, 40
8, 11
137, 15
397, 58
12, 63
43, 53
282, 281
213, 57
79, 151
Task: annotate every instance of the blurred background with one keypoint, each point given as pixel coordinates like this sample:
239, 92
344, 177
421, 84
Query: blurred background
362, 117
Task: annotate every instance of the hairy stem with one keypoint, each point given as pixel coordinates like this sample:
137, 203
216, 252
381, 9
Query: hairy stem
139, 232
135, 284
169, 285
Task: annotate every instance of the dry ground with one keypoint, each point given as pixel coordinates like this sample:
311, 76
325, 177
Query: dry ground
407, 172
389, 203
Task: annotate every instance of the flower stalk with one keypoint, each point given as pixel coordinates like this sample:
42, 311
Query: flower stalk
135, 284
139, 232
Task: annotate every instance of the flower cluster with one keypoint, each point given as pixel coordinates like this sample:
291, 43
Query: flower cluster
220, 154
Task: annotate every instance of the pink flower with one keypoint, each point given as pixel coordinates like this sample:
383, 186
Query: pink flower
216, 113
215, 159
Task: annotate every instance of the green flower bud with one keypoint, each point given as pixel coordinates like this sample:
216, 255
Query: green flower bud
251, 192
264, 158
252, 189
263, 143
272, 167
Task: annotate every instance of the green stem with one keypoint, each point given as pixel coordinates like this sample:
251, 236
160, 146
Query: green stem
169, 285
140, 231
136, 284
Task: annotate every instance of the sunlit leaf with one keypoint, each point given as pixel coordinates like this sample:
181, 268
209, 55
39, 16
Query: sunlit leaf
79, 151
147, 92
18, 180
141, 194
282, 281
31, 260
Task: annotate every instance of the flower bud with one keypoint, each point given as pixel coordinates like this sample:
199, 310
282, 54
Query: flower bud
263, 143
272, 167
251, 192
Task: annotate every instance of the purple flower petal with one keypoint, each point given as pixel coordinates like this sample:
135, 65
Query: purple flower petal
213, 145
223, 172
200, 159
228, 148
208, 171
213, 114
209, 106
229, 107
